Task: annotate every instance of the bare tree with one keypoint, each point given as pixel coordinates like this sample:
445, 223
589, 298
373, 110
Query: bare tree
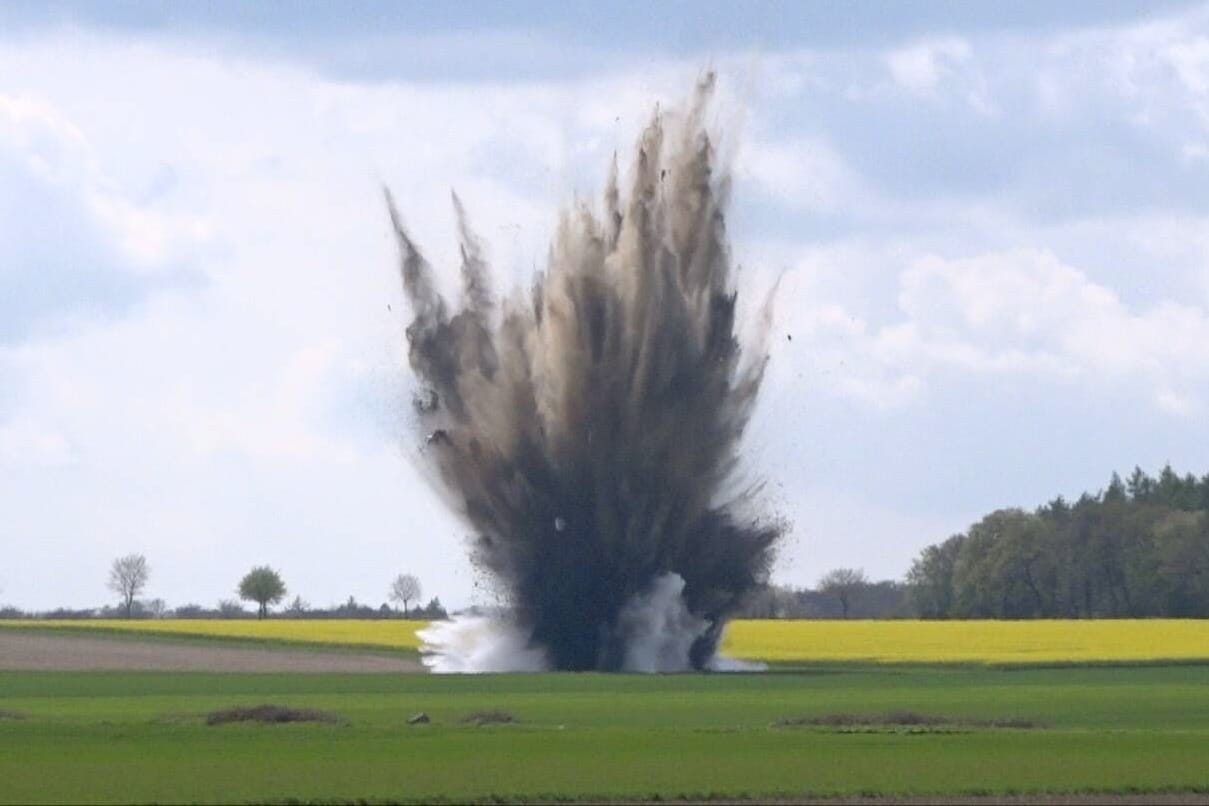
298, 607
127, 578
844, 584
157, 608
229, 608
405, 589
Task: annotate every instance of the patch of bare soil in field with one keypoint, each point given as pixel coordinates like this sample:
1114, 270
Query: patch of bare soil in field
22, 651
901, 719
488, 718
271, 714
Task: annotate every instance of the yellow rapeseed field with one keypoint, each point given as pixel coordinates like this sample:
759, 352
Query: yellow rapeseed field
969, 641
999, 642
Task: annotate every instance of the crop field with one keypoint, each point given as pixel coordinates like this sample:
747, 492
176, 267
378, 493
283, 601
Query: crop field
993, 642
121, 737
848, 708
352, 633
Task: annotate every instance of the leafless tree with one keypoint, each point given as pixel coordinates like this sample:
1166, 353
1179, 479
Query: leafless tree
229, 608
127, 578
298, 607
405, 589
844, 584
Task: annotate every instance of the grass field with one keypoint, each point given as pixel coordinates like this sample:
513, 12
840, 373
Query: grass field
996, 642
117, 737
1138, 724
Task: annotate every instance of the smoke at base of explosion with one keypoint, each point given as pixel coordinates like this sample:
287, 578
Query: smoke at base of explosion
661, 633
587, 432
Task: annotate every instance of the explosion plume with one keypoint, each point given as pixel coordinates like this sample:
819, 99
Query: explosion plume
589, 432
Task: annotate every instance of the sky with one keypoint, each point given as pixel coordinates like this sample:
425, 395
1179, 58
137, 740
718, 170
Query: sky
990, 223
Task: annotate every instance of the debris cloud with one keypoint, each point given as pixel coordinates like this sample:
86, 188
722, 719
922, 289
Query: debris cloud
588, 432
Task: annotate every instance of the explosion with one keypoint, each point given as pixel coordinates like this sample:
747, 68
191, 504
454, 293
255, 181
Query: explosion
588, 433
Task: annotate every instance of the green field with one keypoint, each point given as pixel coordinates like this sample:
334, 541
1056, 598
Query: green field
118, 737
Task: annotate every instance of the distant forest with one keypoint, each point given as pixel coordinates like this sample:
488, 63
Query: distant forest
1136, 549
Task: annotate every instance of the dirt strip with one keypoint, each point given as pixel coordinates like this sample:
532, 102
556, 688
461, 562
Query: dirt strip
21, 651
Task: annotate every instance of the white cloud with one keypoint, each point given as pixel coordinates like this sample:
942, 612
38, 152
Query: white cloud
923, 66
1021, 313
1190, 60
55, 148
1015, 295
1026, 311
803, 174
33, 126
256, 413
1154, 73
148, 237
267, 400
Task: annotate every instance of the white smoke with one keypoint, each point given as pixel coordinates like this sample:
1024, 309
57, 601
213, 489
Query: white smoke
721, 663
658, 626
476, 644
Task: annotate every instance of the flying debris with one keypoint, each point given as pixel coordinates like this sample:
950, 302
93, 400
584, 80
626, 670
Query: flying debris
588, 431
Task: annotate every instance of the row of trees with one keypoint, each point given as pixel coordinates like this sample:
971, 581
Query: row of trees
841, 593
1138, 548
129, 575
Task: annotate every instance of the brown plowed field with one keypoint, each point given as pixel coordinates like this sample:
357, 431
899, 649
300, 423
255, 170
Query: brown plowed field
37, 651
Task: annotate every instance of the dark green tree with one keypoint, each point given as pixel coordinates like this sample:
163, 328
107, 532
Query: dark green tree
1137, 549
931, 579
1140, 486
1116, 489
264, 586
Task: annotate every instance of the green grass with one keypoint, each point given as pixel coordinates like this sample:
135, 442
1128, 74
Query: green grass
117, 737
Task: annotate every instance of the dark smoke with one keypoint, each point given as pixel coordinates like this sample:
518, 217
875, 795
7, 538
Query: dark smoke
589, 432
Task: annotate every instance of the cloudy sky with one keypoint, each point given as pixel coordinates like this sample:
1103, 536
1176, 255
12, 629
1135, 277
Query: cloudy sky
993, 231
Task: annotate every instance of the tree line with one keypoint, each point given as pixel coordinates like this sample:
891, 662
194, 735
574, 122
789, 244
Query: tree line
263, 586
1138, 548
841, 593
